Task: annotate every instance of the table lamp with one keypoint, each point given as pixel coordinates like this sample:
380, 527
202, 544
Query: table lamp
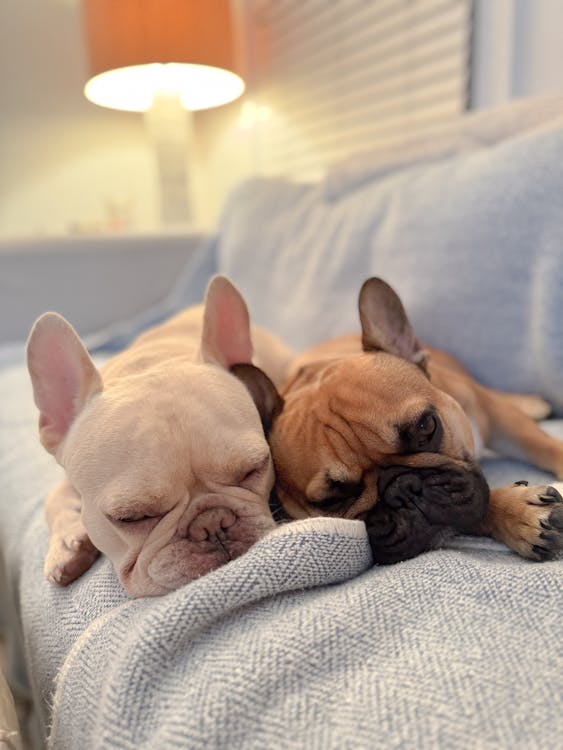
165, 58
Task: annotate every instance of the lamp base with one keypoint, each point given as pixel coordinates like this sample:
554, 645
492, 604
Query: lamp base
169, 127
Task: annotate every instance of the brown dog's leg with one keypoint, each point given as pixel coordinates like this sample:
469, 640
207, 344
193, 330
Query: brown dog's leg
515, 434
70, 552
533, 406
529, 520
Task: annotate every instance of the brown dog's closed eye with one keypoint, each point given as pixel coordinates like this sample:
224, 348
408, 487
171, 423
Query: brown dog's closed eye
340, 495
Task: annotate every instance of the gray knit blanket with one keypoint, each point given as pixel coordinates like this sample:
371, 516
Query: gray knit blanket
301, 644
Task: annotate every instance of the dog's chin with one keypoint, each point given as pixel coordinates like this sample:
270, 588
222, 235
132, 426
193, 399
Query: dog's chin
418, 509
184, 560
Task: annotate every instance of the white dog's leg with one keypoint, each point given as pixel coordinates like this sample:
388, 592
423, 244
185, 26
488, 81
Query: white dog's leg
70, 551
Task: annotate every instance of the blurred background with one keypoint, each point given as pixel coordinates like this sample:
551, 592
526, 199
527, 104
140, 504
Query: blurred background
323, 78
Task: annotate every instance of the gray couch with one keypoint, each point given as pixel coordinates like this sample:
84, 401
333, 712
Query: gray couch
303, 643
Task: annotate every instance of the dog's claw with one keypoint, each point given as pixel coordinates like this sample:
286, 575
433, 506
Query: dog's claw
521, 483
551, 495
547, 499
542, 552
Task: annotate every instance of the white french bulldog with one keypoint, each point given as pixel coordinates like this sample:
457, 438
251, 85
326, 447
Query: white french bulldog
168, 468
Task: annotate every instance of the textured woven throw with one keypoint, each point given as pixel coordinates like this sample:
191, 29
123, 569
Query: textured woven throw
300, 644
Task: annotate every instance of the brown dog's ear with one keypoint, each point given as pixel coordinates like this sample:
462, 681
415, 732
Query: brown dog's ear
385, 325
225, 338
264, 394
62, 374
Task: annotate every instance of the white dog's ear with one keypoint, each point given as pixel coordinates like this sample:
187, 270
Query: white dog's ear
226, 326
385, 325
63, 376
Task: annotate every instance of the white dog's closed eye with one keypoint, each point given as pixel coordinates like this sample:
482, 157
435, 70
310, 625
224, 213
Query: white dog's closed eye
255, 472
124, 512
135, 520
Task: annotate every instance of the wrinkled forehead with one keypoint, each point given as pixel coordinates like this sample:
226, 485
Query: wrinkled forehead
364, 379
192, 394
170, 420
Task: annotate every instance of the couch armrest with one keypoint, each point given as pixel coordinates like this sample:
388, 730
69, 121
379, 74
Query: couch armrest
95, 281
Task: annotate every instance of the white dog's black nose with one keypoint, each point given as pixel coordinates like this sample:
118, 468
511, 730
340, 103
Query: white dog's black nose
211, 524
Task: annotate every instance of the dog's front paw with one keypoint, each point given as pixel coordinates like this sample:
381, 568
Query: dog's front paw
546, 540
529, 520
70, 554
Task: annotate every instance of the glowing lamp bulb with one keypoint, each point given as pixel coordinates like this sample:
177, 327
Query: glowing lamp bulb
134, 88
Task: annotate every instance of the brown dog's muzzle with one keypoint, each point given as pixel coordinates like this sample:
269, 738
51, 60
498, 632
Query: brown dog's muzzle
417, 507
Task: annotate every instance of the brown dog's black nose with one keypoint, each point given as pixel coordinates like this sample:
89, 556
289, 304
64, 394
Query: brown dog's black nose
396, 493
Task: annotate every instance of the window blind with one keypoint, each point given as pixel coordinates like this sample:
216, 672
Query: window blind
338, 76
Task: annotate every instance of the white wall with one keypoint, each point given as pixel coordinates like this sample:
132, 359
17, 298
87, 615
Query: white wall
75, 174
65, 164
538, 47
518, 50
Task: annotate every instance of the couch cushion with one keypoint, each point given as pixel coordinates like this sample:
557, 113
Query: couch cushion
472, 241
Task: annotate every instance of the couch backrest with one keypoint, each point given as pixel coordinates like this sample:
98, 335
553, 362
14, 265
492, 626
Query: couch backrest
471, 236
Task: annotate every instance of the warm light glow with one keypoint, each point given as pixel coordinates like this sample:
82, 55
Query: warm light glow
134, 88
252, 114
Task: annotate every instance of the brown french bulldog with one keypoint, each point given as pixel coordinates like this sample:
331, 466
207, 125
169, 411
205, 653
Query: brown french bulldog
383, 429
